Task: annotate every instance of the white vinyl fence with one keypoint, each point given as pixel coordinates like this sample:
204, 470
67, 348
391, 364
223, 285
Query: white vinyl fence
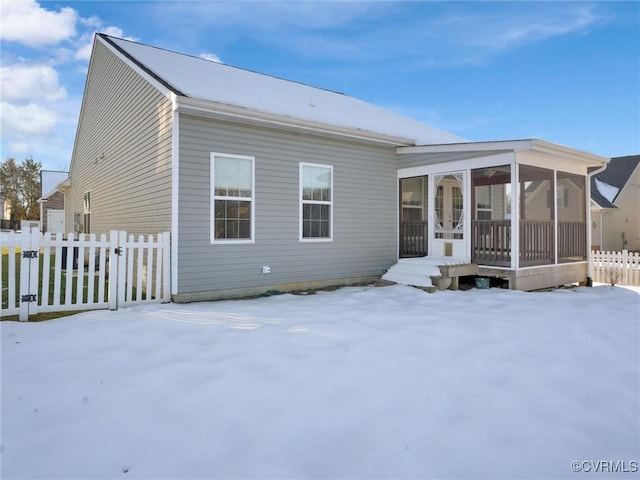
619, 268
49, 273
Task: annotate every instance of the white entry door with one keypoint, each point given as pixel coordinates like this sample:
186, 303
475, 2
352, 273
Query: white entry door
448, 215
55, 221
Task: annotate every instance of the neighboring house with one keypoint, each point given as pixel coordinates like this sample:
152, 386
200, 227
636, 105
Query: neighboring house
269, 184
615, 205
52, 214
6, 223
5, 205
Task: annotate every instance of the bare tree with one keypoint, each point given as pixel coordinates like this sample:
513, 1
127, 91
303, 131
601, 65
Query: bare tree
20, 185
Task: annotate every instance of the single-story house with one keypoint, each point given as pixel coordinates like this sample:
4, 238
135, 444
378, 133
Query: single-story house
615, 205
52, 201
266, 183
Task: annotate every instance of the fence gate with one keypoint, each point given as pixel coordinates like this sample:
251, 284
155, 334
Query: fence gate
49, 273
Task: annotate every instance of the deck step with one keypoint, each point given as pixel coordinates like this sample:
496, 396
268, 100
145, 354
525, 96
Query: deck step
440, 282
415, 272
458, 270
429, 274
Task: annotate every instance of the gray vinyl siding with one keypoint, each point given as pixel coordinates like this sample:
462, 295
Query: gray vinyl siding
364, 209
122, 152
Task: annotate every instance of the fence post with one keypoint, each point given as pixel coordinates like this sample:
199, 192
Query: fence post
24, 275
122, 268
113, 270
166, 267
29, 271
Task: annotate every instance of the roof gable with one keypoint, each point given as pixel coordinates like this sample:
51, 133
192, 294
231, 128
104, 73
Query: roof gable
607, 185
197, 78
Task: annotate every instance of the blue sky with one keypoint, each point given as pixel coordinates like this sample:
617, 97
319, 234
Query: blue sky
567, 72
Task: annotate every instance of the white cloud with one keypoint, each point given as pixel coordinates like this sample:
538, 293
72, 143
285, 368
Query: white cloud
19, 147
211, 57
29, 82
84, 52
514, 25
26, 22
41, 98
271, 15
418, 34
31, 119
91, 22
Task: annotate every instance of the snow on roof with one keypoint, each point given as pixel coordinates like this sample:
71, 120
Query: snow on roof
607, 191
204, 79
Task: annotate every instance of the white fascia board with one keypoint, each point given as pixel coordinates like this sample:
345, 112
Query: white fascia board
500, 145
596, 207
573, 154
482, 161
559, 160
136, 68
534, 145
222, 111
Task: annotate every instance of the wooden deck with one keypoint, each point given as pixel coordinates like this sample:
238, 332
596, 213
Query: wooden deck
455, 271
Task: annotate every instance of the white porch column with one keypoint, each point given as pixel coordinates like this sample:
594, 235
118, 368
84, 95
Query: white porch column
515, 215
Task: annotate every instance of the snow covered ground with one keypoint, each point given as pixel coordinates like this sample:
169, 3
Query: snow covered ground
361, 382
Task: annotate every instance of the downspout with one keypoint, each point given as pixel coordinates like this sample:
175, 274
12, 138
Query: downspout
602, 167
601, 228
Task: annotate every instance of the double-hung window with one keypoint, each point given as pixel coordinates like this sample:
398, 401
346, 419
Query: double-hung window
232, 199
316, 202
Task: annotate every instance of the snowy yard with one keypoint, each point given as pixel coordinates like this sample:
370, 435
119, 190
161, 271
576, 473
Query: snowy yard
361, 382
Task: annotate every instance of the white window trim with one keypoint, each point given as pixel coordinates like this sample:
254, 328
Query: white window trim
213, 197
301, 202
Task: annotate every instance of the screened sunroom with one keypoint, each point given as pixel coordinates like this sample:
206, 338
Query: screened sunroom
518, 209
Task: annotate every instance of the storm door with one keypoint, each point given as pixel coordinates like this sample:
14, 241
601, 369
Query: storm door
448, 215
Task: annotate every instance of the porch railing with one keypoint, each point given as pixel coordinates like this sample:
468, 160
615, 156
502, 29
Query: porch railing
572, 241
413, 239
536, 242
491, 242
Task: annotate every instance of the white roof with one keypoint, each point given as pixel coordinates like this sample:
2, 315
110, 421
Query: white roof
207, 80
